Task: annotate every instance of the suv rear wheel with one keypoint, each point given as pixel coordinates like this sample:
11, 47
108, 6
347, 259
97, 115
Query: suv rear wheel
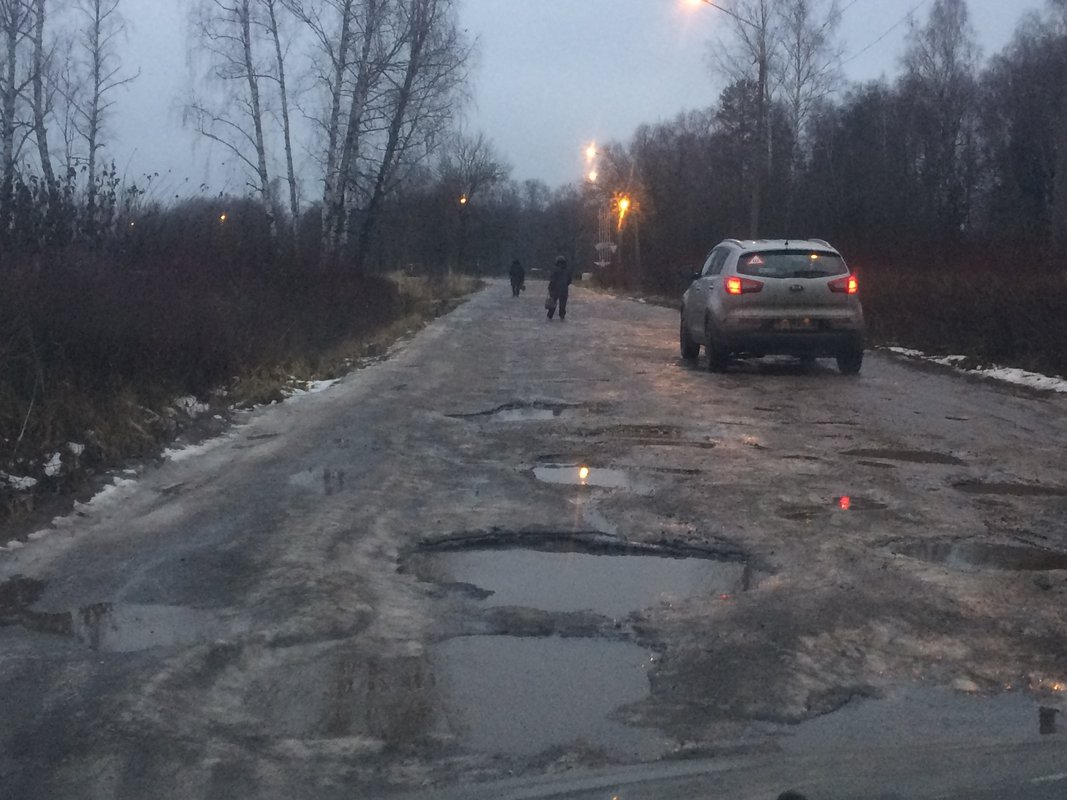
690, 349
849, 363
717, 357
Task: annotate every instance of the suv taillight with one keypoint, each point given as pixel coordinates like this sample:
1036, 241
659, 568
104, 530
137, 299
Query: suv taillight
845, 285
738, 285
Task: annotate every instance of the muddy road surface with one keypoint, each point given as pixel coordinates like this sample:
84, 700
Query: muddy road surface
521, 551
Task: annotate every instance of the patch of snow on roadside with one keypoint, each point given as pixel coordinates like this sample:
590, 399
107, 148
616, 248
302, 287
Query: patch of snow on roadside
107, 496
17, 482
54, 465
314, 387
75, 448
1013, 375
193, 450
191, 406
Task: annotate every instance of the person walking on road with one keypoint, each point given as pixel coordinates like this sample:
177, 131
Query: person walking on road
559, 284
518, 278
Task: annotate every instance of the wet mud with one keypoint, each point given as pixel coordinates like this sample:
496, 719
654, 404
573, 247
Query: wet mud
975, 555
906, 456
1011, 489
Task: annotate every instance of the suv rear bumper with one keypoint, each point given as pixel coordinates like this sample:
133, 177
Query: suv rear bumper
800, 343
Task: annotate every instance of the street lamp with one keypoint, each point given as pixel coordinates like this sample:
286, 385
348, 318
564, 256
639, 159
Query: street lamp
762, 140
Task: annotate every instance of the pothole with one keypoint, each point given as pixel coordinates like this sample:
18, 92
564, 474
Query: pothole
1011, 489
109, 627
610, 585
520, 412
530, 695
973, 556
596, 477
600, 574
908, 456
924, 713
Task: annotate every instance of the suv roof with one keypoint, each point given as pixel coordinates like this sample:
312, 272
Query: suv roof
781, 244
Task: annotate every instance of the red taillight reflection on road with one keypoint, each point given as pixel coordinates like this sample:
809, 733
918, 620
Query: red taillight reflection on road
738, 285
844, 503
845, 285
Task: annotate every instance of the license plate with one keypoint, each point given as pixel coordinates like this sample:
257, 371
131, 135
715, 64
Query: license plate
793, 325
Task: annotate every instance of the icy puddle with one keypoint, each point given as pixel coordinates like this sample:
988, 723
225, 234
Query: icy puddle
597, 477
929, 714
522, 696
613, 585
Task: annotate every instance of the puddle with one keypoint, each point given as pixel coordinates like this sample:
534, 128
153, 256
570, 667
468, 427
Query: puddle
856, 503
596, 477
1012, 489
928, 714
612, 585
108, 627
637, 431
909, 456
802, 512
520, 412
529, 695
974, 556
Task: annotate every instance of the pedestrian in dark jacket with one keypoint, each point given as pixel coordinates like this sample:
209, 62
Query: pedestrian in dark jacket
559, 284
518, 278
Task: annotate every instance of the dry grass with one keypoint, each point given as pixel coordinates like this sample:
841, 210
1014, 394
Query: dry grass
111, 386
990, 316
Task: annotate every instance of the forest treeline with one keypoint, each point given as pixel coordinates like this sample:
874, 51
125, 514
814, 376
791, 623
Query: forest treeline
958, 162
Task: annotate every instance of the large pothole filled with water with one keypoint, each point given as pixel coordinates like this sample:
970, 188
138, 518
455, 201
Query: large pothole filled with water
522, 696
582, 572
512, 689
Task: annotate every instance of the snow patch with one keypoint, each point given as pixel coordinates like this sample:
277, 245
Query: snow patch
108, 496
1012, 375
314, 387
191, 406
19, 483
75, 448
54, 465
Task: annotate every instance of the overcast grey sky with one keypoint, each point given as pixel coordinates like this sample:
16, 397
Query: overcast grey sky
551, 76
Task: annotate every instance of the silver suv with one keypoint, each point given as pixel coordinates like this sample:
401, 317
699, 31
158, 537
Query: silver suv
773, 296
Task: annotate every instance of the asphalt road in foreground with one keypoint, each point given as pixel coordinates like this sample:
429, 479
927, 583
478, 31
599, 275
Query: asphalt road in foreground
522, 558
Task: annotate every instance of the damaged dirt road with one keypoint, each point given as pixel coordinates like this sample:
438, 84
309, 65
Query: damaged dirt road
522, 557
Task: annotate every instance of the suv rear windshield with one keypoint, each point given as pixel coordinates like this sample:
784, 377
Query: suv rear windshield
791, 264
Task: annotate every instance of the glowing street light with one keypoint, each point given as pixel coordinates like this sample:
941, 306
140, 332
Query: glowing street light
463, 200
592, 176
591, 152
624, 208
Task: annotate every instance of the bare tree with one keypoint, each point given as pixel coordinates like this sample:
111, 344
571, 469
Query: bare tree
422, 103
41, 99
104, 27
941, 64
15, 29
228, 31
1059, 205
811, 58
388, 71
469, 167
274, 29
756, 46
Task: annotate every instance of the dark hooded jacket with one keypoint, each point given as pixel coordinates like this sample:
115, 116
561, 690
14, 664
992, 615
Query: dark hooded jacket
559, 280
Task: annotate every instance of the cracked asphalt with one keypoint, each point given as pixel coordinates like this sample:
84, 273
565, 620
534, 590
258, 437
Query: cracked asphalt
272, 614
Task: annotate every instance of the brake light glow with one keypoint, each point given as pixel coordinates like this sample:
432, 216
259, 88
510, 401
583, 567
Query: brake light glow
845, 285
738, 285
